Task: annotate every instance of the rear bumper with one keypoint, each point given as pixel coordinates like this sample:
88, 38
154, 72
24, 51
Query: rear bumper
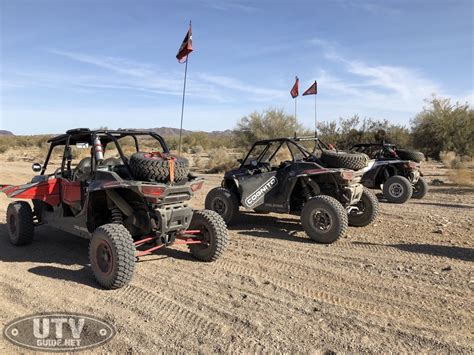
174, 217
414, 176
353, 193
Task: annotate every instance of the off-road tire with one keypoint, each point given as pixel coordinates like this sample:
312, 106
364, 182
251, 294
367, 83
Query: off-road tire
420, 189
397, 189
20, 225
215, 234
330, 207
338, 159
224, 202
115, 241
157, 169
370, 209
406, 154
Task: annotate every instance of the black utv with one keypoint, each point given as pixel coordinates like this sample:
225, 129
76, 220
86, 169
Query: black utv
281, 175
395, 171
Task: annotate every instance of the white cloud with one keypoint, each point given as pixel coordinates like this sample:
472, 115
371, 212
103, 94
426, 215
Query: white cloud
118, 65
232, 5
255, 92
380, 91
141, 77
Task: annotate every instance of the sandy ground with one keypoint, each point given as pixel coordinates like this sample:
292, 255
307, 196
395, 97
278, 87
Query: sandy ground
403, 284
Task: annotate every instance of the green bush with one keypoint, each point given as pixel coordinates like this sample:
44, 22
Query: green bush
353, 130
269, 124
442, 126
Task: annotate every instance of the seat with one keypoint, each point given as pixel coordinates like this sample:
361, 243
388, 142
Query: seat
83, 170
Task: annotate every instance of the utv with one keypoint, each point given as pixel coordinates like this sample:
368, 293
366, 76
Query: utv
127, 205
281, 175
395, 171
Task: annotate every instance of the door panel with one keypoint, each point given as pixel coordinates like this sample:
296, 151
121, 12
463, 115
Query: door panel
258, 189
71, 192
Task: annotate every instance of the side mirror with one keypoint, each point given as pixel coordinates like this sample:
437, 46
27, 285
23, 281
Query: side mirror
36, 167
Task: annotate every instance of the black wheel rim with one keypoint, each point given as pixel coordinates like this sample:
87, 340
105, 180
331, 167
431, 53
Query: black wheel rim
104, 257
12, 223
219, 206
396, 189
321, 220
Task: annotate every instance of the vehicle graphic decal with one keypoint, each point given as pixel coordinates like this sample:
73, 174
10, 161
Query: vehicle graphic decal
260, 192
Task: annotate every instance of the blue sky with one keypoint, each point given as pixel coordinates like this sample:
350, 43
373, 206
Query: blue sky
91, 63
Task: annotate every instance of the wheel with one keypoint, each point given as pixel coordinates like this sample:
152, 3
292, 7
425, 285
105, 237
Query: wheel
154, 167
367, 210
397, 189
213, 233
224, 202
410, 155
420, 189
21, 228
338, 159
324, 219
112, 255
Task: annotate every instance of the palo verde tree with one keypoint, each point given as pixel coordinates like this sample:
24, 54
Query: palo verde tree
272, 123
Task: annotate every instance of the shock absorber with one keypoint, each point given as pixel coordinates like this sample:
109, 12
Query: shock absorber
98, 150
116, 215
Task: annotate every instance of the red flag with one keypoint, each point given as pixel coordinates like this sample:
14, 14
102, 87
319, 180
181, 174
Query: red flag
294, 90
186, 46
312, 90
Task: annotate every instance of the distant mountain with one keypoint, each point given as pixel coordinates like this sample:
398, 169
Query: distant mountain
169, 131
5, 133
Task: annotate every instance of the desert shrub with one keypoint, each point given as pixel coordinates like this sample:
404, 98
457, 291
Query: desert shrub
461, 168
220, 160
197, 149
3, 148
352, 130
196, 161
269, 124
442, 126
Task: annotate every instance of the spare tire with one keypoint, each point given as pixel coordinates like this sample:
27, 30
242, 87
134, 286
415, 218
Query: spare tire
338, 159
156, 167
406, 154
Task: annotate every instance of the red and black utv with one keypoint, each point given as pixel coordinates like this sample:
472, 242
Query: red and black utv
128, 205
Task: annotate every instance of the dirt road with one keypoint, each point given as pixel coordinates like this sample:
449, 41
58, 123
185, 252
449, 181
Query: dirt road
403, 284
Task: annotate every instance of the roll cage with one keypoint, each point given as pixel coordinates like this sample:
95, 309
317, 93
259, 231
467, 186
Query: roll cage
84, 135
267, 153
375, 150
